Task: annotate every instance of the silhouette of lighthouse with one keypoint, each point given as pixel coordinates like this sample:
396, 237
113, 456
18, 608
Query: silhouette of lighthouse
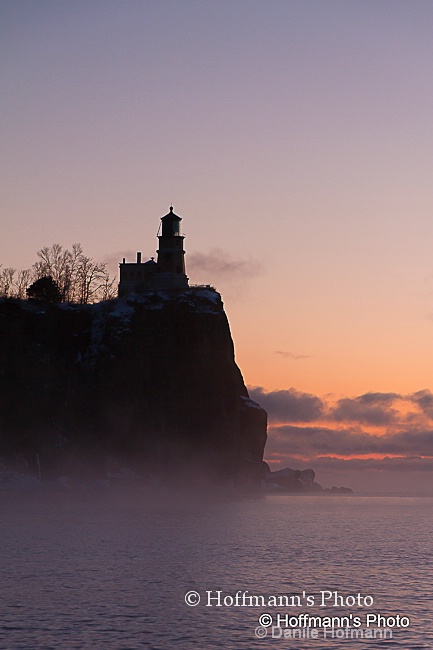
168, 272
171, 256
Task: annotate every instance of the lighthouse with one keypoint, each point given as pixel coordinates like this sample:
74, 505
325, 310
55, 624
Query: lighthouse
168, 272
171, 255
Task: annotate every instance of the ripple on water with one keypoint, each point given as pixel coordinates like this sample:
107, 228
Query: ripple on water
109, 572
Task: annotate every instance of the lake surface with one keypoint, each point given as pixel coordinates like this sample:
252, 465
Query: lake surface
111, 570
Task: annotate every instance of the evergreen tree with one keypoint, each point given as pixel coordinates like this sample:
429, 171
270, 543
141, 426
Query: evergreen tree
45, 289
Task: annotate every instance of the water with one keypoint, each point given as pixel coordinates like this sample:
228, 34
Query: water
111, 570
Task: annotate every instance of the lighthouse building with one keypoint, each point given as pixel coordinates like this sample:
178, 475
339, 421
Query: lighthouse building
168, 272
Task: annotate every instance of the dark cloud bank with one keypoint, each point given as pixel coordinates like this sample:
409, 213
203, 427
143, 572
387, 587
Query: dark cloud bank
314, 441
288, 405
387, 432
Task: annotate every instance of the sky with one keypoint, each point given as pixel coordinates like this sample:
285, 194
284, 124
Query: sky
295, 140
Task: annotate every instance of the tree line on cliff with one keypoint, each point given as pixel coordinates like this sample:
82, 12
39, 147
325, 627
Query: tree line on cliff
74, 277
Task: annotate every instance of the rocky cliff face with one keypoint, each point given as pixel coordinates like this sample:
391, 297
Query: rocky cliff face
148, 381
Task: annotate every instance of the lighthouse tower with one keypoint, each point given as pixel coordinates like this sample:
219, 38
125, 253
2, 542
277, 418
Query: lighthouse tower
171, 255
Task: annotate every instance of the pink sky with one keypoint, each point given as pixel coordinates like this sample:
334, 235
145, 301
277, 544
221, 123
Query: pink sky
293, 137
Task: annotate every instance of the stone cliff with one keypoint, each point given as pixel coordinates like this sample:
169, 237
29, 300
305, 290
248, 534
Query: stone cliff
148, 381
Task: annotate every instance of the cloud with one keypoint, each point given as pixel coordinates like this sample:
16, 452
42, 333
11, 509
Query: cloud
393, 464
288, 405
315, 441
218, 265
378, 398
424, 400
331, 463
370, 408
390, 412
375, 442
383, 409
291, 355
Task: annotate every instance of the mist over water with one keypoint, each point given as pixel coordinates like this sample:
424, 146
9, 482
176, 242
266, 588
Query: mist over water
111, 569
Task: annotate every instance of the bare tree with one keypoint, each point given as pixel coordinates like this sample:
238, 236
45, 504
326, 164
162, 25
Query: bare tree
108, 290
71, 280
22, 282
79, 278
56, 263
91, 277
6, 282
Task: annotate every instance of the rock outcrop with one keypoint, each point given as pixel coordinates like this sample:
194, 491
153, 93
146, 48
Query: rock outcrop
149, 381
295, 480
